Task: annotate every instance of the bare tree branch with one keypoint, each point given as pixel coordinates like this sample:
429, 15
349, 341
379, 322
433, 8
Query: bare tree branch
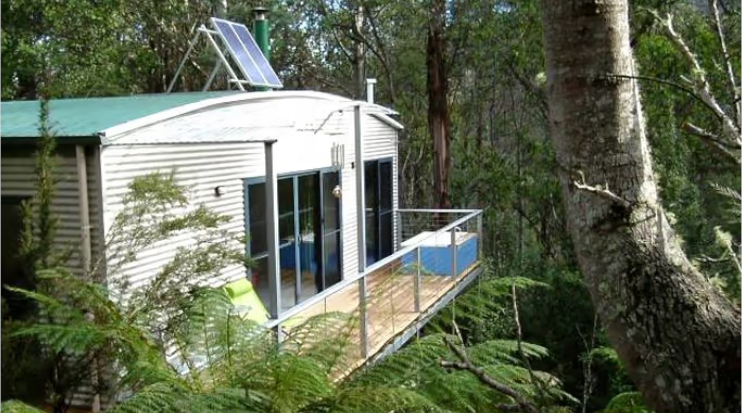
342, 46
675, 85
534, 379
601, 191
466, 365
589, 382
379, 52
713, 5
532, 88
714, 140
699, 81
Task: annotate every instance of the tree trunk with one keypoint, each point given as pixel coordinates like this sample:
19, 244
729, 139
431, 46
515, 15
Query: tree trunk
678, 337
359, 54
438, 110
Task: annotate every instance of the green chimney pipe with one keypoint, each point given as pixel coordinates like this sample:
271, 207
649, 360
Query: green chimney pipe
260, 32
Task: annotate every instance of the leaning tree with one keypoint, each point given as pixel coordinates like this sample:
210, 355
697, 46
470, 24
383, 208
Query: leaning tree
677, 335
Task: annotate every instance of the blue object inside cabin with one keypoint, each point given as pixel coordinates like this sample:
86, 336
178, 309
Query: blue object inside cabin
436, 253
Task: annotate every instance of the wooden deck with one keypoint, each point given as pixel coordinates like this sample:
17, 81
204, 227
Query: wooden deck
390, 310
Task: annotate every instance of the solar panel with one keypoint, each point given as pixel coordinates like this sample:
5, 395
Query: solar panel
243, 48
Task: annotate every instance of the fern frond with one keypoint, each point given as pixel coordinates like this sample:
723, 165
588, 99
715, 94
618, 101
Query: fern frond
15, 406
727, 192
630, 402
378, 399
155, 398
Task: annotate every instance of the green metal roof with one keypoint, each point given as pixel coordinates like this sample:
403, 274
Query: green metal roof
86, 117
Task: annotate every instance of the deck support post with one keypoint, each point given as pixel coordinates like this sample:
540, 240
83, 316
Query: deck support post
360, 227
272, 233
417, 280
454, 252
363, 319
360, 199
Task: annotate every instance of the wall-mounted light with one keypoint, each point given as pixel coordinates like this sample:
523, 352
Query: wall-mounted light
219, 191
337, 191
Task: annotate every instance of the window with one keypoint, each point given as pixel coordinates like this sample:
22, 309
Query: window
378, 198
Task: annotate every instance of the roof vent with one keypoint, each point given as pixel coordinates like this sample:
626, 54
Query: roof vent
370, 90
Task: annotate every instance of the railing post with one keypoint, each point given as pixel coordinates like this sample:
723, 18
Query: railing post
417, 280
398, 223
479, 236
454, 252
272, 232
279, 335
363, 319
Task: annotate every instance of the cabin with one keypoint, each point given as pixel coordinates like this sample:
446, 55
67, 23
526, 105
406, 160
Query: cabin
311, 177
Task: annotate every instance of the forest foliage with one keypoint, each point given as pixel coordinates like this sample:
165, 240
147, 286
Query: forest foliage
501, 161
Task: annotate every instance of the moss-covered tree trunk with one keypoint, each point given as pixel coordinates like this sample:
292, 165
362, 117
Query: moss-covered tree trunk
678, 337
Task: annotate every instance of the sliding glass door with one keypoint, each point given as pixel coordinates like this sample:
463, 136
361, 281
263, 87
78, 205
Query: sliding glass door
378, 198
309, 235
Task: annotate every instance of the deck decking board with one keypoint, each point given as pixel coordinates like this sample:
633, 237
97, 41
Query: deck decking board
390, 309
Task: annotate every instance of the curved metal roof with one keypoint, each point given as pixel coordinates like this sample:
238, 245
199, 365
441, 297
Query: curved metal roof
103, 119
87, 117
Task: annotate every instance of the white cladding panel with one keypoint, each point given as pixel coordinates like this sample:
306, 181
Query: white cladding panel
198, 167
304, 151
348, 203
380, 140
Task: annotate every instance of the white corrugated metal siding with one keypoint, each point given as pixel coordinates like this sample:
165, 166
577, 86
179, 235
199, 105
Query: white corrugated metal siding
348, 201
200, 168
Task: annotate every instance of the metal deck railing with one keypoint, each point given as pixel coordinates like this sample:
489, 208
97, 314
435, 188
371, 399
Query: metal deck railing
434, 250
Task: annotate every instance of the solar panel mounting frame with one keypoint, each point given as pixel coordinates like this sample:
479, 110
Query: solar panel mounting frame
222, 51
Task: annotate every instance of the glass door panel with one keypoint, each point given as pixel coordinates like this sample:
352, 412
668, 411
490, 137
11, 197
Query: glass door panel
257, 235
287, 242
257, 219
385, 186
378, 194
331, 231
309, 235
385, 209
371, 200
